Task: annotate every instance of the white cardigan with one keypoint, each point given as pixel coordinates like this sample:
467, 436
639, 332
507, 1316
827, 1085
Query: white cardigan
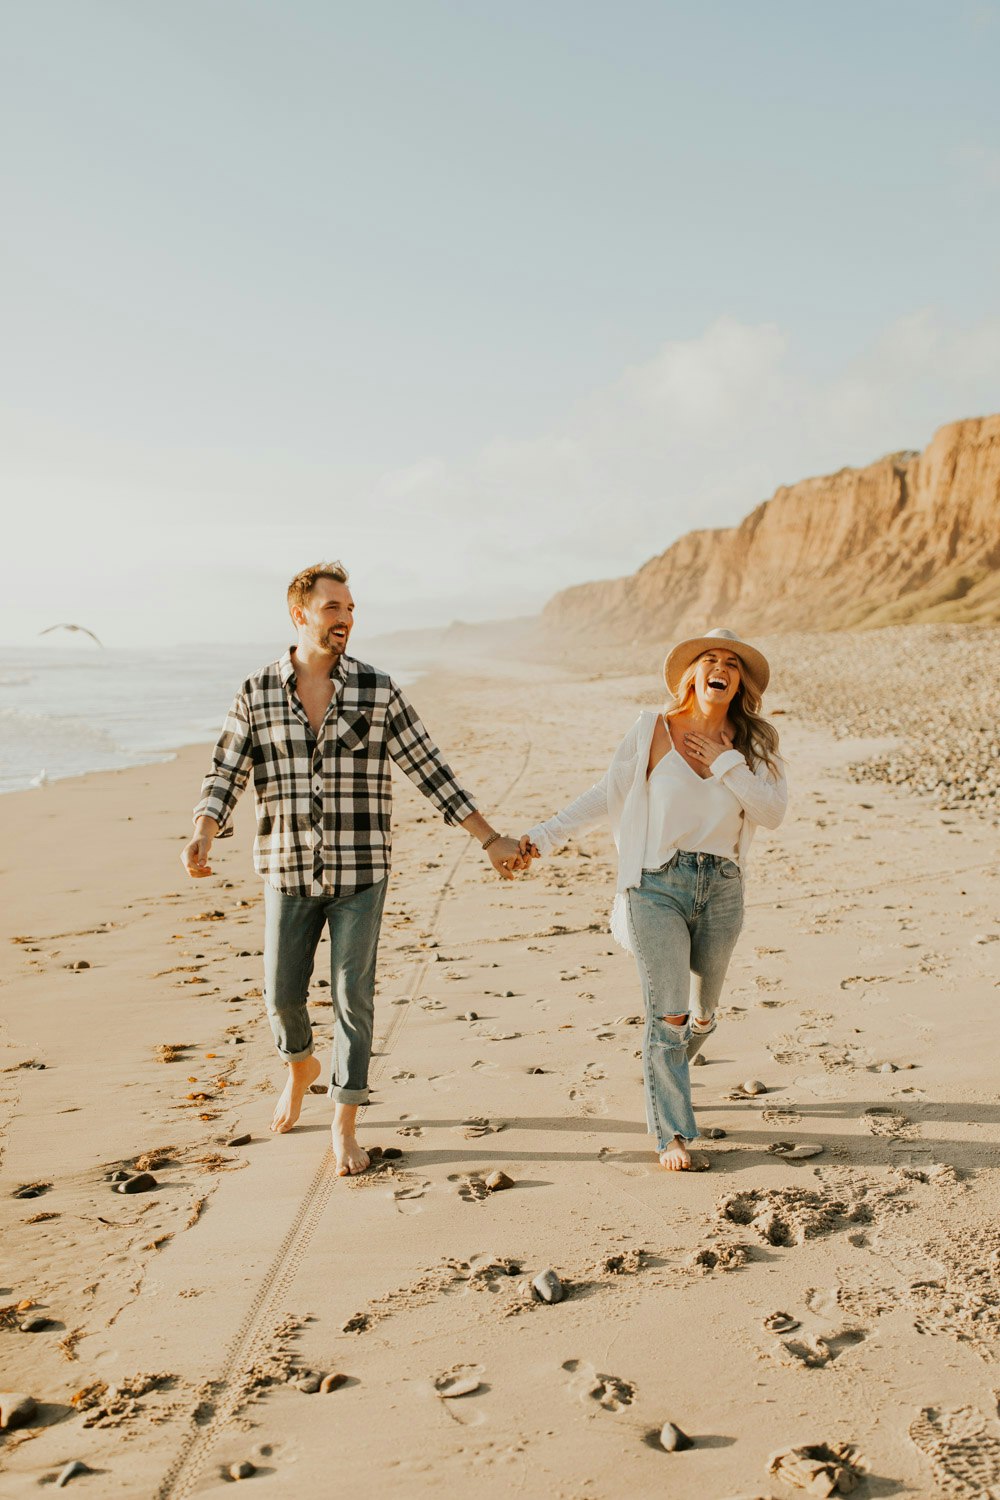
621, 796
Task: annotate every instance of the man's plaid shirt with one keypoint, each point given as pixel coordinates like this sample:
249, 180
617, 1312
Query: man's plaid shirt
324, 802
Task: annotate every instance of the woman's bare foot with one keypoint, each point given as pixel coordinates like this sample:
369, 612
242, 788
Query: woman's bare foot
352, 1158
300, 1075
676, 1157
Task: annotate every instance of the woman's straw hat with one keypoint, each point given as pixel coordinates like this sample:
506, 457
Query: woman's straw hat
757, 670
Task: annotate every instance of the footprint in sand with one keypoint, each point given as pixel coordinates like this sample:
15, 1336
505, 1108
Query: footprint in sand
822, 1349
883, 1120
964, 1455
406, 1197
410, 1130
610, 1157
788, 1115
471, 1187
585, 1104
478, 1126
588, 1384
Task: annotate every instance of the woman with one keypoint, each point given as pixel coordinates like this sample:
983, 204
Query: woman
685, 793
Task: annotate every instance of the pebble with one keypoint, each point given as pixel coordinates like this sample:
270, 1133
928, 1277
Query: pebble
144, 1182
673, 1440
699, 1060
498, 1181
309, 1384
244, 1470
391, 1153
70, 1471
120, 1175
460, 1385
80, 963
332, 1383
789, 1151
887, 1067
754, 1086
240, 1140
471, 1015
36, 1324
716, 1133
548, 1286
16, 1409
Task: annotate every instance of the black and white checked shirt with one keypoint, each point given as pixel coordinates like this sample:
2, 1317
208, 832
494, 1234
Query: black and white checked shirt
324, 802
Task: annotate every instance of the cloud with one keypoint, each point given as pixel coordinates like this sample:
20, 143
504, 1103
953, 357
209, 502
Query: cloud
696, 435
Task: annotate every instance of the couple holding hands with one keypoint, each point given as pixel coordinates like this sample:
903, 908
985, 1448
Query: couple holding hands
684, 794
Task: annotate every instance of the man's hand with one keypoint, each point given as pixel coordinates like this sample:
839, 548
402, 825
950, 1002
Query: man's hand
505, 856
195, 855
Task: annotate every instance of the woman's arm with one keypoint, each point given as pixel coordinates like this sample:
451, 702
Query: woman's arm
589, 809
762, 794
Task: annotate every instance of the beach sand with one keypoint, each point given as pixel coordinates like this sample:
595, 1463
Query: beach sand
182, 1318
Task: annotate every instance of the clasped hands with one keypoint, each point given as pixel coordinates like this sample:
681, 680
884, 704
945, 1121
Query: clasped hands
510, 857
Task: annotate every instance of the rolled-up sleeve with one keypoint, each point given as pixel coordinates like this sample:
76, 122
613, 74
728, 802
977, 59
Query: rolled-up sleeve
232, 762
416, 754
762, 793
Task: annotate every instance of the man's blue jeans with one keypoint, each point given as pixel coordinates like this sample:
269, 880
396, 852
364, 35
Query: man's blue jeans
684, 920
293, 926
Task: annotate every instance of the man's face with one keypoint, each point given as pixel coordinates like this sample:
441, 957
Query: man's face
327, 617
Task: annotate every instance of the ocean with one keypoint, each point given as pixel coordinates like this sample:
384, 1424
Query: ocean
68, 710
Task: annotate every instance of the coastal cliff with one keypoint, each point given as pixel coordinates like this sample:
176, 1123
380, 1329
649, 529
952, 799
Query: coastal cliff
913, 538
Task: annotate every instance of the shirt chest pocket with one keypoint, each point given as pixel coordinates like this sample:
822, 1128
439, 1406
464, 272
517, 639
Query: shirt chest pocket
360, 730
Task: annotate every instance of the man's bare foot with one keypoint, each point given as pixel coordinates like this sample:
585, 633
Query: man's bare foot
676, 1157
352, 1158
287, 1110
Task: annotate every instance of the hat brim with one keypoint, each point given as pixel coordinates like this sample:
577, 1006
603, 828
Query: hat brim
757, 670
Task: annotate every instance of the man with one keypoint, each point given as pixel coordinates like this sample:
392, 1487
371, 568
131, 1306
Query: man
318, 730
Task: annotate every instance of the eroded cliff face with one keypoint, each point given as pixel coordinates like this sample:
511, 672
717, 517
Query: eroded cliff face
912, 538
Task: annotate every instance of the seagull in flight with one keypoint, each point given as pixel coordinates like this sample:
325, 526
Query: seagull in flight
82, 628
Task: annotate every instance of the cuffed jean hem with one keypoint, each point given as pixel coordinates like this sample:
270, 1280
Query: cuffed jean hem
348, 1096
290, 1057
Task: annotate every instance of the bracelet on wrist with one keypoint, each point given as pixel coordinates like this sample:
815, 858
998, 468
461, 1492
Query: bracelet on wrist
491, 840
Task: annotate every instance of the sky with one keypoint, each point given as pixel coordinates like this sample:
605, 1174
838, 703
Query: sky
484, 300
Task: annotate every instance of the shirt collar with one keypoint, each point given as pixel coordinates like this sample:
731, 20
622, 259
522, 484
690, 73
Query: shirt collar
286, 669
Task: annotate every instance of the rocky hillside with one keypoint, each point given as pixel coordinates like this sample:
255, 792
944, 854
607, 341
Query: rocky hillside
912, 538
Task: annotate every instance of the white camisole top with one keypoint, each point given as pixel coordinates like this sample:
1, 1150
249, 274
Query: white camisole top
688, 811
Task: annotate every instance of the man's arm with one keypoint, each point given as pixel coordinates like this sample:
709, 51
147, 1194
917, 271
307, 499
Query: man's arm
232, 761
413, 750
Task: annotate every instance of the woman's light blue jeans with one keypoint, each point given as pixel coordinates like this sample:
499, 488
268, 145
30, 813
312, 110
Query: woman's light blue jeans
293, 926
684, 920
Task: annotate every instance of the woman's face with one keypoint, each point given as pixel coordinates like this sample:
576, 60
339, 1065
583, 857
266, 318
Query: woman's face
717, 678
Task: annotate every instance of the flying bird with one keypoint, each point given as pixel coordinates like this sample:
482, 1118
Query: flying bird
82, 628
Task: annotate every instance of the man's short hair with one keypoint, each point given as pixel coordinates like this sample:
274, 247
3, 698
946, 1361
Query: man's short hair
303, 583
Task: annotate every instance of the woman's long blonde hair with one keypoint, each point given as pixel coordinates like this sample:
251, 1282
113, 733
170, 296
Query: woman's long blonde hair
753, 736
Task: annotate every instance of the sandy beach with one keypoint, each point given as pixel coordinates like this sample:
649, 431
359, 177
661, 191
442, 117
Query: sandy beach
767, 1304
